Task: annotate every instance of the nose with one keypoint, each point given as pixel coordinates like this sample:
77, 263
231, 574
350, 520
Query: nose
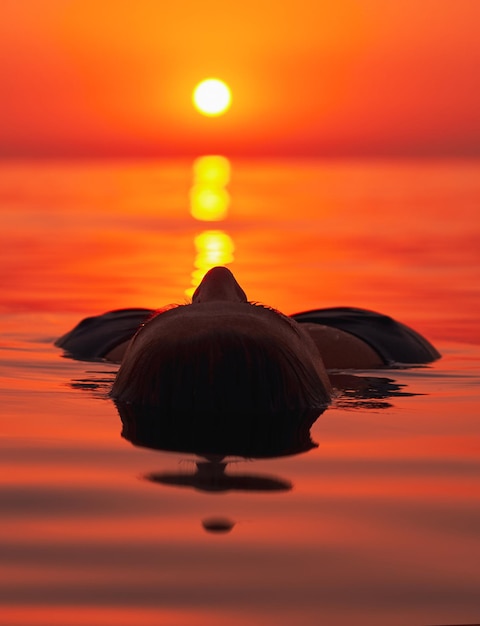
219, 284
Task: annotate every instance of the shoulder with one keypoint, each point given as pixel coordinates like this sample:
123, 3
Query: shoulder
340, 349
95, 337
391, 340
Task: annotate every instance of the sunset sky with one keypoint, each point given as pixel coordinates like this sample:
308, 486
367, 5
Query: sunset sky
82, 78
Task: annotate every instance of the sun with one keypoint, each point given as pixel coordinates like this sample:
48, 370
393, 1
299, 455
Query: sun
212, 97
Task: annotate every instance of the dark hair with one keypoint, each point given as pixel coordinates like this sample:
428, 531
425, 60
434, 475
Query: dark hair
221, 370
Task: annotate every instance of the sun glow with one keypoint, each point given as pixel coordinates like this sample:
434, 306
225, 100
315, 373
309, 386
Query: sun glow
212, 97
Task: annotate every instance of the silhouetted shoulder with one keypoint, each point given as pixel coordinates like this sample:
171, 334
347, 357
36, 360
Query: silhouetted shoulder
96, 336
393, 341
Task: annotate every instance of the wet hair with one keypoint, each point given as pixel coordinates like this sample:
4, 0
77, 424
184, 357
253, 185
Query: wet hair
220, 370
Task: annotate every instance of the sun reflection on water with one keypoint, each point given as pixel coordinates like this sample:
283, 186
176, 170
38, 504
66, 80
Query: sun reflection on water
209, 201
209, 198
213, 247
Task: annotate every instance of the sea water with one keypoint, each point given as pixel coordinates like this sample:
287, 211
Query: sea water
377, 524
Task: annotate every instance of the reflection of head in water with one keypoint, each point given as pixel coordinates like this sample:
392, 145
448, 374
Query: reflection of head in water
211, 476
239, 433
223, 354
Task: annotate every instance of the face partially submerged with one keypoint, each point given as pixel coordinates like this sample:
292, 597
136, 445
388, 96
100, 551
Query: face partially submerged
222, 353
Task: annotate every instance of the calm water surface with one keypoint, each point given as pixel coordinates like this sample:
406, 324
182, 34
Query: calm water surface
378, 524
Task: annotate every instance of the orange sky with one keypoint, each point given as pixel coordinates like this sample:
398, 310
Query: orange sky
309, 77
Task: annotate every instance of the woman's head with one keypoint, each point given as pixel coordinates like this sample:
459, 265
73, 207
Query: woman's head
222, 353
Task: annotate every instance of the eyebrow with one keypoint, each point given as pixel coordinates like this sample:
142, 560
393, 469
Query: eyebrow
172, 308
293, 325
156, 314
258, 305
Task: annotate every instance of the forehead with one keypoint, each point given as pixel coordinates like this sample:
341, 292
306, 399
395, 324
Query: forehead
188, 321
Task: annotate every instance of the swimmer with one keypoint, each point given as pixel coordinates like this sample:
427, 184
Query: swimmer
223, 352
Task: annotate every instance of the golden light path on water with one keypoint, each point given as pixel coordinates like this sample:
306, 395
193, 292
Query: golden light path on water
209, 202
209, 197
